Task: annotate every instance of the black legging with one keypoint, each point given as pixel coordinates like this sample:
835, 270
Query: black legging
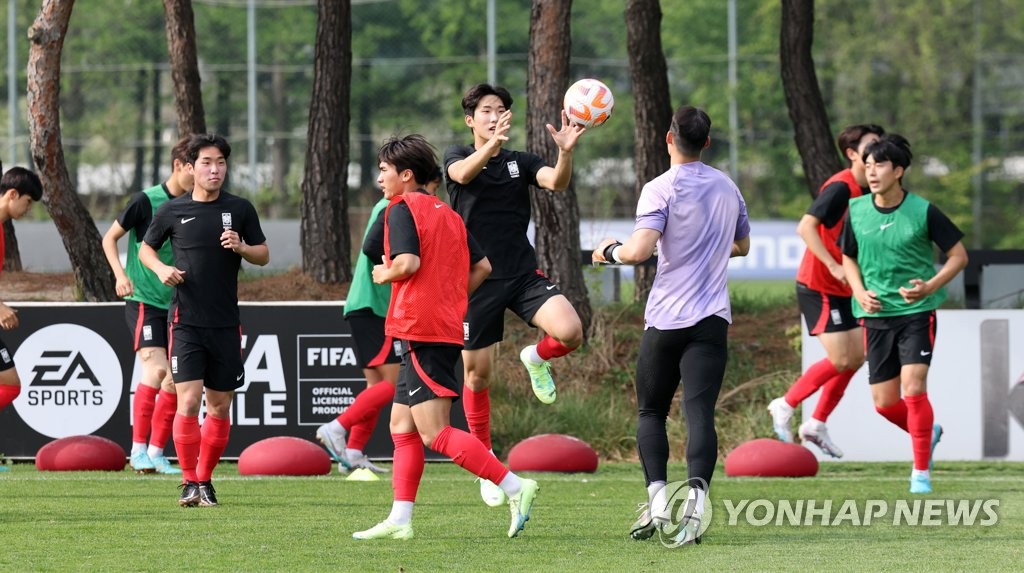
696, 354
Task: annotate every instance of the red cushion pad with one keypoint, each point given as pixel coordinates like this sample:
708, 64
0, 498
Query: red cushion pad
81, 453
552, 453
284, 456
770, 458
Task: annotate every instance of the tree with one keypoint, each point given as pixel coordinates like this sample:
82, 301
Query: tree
652, 108
803, 95
181, 50
77, 229
556, 215
324, 236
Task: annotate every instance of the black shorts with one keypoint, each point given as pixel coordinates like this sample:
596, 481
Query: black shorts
825, 312
147, 323
895, 341
427, 372
373, 347
6, 360
213, 355
523, 295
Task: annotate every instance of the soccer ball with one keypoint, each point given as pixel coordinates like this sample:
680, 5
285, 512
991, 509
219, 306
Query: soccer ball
588, 102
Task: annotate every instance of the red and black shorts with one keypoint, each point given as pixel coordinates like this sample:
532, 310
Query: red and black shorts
372, 346
213, 355
523, 295
6, 360
147, 323
427, 372
893, 342
825, 312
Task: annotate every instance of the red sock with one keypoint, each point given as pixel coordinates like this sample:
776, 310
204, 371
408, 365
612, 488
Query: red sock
549, 348
469, 453
815, 377
407, 468
831, 393
163, 419
186, 444
8, 392
477, 406
215, 438
897, 414
920, 419
361, 417
142, 412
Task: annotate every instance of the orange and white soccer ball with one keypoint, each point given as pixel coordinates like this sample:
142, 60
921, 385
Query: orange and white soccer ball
588, 102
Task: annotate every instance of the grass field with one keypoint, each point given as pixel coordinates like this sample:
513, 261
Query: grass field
95, 521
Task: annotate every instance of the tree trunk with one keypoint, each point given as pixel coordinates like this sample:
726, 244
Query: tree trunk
556, 215
324, 236
652, 108
76, 227
138, 173
803, 95
181, 50
156, 159
280, 149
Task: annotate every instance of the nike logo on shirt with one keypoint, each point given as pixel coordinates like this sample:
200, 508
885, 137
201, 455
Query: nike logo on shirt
437, 206
886, 226
184, 220
239, 379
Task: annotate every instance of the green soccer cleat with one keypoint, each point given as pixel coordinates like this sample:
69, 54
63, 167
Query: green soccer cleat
141, 463
644, 526
520, 505
540, 377
163, 465
385, 530
936, 438
920, 484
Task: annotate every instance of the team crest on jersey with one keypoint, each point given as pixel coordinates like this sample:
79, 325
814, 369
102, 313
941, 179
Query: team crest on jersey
174, 364
5, 356
147, 332
513, 169
465, 331
225, 220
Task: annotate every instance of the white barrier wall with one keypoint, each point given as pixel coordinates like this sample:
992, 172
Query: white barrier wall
974, 385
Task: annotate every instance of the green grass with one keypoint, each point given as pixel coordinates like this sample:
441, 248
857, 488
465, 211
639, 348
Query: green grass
119, 521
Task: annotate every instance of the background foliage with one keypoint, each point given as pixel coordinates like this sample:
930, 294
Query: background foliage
909, 66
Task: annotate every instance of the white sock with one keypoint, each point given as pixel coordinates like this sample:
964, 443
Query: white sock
700, 495
818, 423
401, 512
138, 447
511, 484
532, 356
154, 452
657, 499
923, 473
353, 454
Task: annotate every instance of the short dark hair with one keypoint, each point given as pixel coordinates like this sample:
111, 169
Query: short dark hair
849, 138
690, 129
890, 147
479, 91
412, 152
180, 150
203, 140
24, 181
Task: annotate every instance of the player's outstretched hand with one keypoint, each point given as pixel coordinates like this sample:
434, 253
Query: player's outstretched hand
566, 137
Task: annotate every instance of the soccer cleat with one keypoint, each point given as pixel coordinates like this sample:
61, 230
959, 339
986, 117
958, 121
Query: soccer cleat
141, 463
365, 463
207, 495
688, 533
816, 433
920, 484
385, 530
520, 505
163, 466
335, 444
492, 495
540, 377
782, 413
4, 468
936, 438
644, 526
189, 494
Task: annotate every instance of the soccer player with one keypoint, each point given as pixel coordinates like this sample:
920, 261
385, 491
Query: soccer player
890, 265
489, 186
19, 187
211, 231
432, 265
366, 306
697, 218
145, 310
824, 298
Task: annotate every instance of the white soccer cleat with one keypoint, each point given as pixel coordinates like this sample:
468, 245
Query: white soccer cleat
492, 495
334, 442
782, 414
816, 433
385, 530
365, 463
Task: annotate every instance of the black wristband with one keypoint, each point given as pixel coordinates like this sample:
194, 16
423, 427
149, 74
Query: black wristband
608, 252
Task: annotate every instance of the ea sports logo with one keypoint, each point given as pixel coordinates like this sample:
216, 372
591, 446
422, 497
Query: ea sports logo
71, 381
